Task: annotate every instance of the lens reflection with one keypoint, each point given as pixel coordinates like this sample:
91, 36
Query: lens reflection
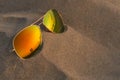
27, 40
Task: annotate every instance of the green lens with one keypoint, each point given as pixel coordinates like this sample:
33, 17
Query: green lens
53, 21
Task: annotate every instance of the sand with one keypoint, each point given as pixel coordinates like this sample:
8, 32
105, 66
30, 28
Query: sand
88, 50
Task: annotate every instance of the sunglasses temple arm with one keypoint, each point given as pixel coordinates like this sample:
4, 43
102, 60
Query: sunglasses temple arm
12, 50
38, 22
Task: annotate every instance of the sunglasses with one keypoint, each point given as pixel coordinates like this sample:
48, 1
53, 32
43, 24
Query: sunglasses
27, 40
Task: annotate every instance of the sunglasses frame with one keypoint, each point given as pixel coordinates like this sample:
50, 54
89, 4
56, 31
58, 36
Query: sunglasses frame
38, 22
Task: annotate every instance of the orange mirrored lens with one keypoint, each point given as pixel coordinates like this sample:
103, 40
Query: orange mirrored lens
27, 41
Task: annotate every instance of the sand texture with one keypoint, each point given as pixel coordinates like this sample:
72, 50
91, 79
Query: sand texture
88, 50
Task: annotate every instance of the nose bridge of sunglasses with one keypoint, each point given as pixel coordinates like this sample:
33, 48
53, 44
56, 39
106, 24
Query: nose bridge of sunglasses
38, 21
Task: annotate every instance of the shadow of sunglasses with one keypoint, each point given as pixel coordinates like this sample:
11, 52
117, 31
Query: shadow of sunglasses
26, 41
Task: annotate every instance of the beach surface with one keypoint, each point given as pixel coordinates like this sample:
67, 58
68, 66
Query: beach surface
88, 50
